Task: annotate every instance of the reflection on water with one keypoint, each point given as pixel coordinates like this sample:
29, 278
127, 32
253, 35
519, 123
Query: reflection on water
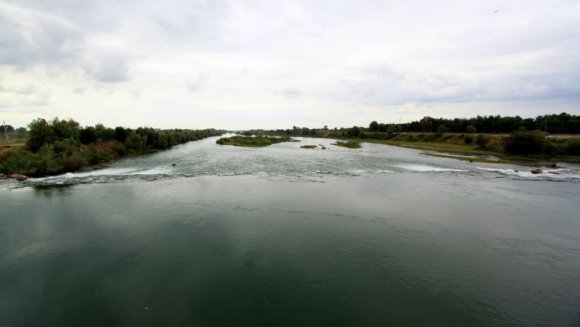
385, 236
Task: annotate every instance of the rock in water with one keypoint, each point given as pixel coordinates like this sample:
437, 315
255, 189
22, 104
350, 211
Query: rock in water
18, 177
536, 171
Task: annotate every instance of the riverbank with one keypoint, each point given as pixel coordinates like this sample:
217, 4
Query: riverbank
486, 148
62, 146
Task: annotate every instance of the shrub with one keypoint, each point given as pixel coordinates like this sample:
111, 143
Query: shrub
468, 139
21, 162
482, 141
573, 147
120, 149
526, 143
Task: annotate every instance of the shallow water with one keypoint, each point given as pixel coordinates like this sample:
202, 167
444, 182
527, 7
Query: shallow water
288, 236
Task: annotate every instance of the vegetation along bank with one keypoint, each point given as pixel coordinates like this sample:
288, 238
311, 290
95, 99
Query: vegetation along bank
512, 139
59, 146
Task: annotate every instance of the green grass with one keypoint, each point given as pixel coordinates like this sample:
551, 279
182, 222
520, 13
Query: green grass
471, 152
351, 144
253, 141
12, 139
437, 146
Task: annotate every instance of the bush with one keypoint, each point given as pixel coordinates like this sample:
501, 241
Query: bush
573, 147
120, 149
20, 162
526, 143
482, 141
468, 139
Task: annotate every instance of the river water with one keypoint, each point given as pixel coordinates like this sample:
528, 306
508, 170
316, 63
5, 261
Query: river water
284, 236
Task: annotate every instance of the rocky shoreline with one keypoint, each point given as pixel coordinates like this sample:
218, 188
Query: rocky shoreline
18, 177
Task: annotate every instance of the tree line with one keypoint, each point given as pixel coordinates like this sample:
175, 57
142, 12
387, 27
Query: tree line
61, 145
555, 124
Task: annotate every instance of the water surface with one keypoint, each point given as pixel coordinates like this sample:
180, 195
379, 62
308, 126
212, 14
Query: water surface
286, 236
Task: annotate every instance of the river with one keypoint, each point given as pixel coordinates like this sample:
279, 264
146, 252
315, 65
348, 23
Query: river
211, 235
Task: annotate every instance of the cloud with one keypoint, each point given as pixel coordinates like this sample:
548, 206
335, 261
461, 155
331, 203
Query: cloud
285, 60
28, 36
108, 67
26, 89
291, 93
195, 84
18, 96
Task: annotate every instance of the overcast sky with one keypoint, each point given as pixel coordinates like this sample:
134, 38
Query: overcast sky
275, 64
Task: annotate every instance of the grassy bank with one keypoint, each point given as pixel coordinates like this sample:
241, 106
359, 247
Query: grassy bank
487, 147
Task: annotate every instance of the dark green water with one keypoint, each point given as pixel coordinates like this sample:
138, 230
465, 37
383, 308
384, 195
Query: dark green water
283, 236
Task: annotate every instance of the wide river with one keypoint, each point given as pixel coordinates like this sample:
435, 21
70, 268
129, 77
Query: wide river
284, 236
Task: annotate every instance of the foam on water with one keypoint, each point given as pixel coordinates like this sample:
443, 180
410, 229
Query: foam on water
427, 168
525, 172
100, 176
153, 171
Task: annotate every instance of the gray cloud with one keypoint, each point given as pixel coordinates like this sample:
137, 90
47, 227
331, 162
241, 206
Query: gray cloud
323, 55
109, 67
195, 84
28, 37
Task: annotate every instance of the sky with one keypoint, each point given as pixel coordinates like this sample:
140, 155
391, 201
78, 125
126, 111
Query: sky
277, 64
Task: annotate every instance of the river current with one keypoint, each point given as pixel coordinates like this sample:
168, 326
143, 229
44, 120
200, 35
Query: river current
211, 235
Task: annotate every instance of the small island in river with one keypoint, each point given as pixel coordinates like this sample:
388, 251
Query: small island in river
253, 141
351, 144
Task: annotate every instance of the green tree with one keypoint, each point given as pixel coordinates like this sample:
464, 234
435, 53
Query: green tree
383, 128
135, 142
470, 129
121, 133
426, 124
442, 129
88, 135
354, 132
373, 126
64, 129
40, 133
